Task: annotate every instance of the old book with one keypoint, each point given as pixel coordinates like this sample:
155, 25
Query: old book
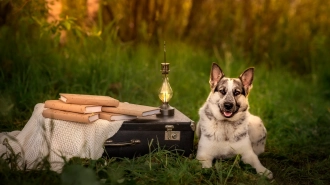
132, 109
114, 117
70, 116
59, 105
86, 99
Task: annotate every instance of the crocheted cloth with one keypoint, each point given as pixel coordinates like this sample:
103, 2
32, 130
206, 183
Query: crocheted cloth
43, 137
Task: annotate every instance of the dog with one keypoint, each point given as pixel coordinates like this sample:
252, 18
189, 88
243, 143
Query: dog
226, 127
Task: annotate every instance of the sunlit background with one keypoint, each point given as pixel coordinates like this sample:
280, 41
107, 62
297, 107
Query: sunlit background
293, 33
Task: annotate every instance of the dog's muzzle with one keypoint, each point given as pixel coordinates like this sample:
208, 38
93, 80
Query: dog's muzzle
228, 109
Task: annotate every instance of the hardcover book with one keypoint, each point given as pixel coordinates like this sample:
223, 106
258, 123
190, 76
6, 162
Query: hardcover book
70, 116
85, 99
59, 105
132, 109
113, 116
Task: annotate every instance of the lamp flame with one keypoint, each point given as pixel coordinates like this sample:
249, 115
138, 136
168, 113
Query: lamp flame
165, 93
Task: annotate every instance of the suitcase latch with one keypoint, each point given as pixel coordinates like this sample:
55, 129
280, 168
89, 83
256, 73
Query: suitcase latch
170, 134
129, 143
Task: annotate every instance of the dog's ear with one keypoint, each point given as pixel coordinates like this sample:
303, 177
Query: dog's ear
216, 75
247, 79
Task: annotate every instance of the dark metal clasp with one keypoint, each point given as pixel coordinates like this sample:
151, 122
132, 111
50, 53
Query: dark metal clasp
128, 143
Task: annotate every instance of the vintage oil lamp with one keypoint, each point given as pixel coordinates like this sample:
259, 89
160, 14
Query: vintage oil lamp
165, 91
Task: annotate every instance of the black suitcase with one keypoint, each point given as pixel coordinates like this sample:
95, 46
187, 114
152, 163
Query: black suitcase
140, 136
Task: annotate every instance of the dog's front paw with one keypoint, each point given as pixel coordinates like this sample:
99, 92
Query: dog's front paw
206, 164
267, 173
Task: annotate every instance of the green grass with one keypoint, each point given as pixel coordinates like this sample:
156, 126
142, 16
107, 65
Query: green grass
294, 107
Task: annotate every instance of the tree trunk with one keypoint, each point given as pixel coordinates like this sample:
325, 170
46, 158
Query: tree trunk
193, 17
248, 28
5, 10
153, 23
128, 25
107, 14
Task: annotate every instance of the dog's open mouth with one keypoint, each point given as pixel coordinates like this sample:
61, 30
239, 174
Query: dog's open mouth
229, 111
227, 114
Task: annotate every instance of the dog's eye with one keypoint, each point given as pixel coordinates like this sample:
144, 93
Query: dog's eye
222, 91
237, 92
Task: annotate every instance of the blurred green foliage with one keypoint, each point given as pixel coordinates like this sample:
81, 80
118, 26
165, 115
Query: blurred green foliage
274, 33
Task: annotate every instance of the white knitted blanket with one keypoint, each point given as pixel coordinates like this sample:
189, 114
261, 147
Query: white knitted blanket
44, 138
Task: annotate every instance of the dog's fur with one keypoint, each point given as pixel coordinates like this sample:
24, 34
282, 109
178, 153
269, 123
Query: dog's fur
226, 128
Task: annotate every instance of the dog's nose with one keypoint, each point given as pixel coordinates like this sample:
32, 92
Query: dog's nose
228, 105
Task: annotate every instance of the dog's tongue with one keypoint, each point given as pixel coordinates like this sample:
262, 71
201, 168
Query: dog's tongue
227, 114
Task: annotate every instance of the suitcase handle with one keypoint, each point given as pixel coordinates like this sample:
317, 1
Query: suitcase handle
132, 142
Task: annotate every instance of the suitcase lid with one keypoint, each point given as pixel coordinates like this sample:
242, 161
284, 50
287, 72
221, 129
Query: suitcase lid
179, 121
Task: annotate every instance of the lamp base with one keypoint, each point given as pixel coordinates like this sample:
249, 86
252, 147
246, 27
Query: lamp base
166, 110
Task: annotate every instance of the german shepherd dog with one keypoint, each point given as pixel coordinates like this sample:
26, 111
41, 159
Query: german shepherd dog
226, 127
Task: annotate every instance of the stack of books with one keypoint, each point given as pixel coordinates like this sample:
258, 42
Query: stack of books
89, 108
